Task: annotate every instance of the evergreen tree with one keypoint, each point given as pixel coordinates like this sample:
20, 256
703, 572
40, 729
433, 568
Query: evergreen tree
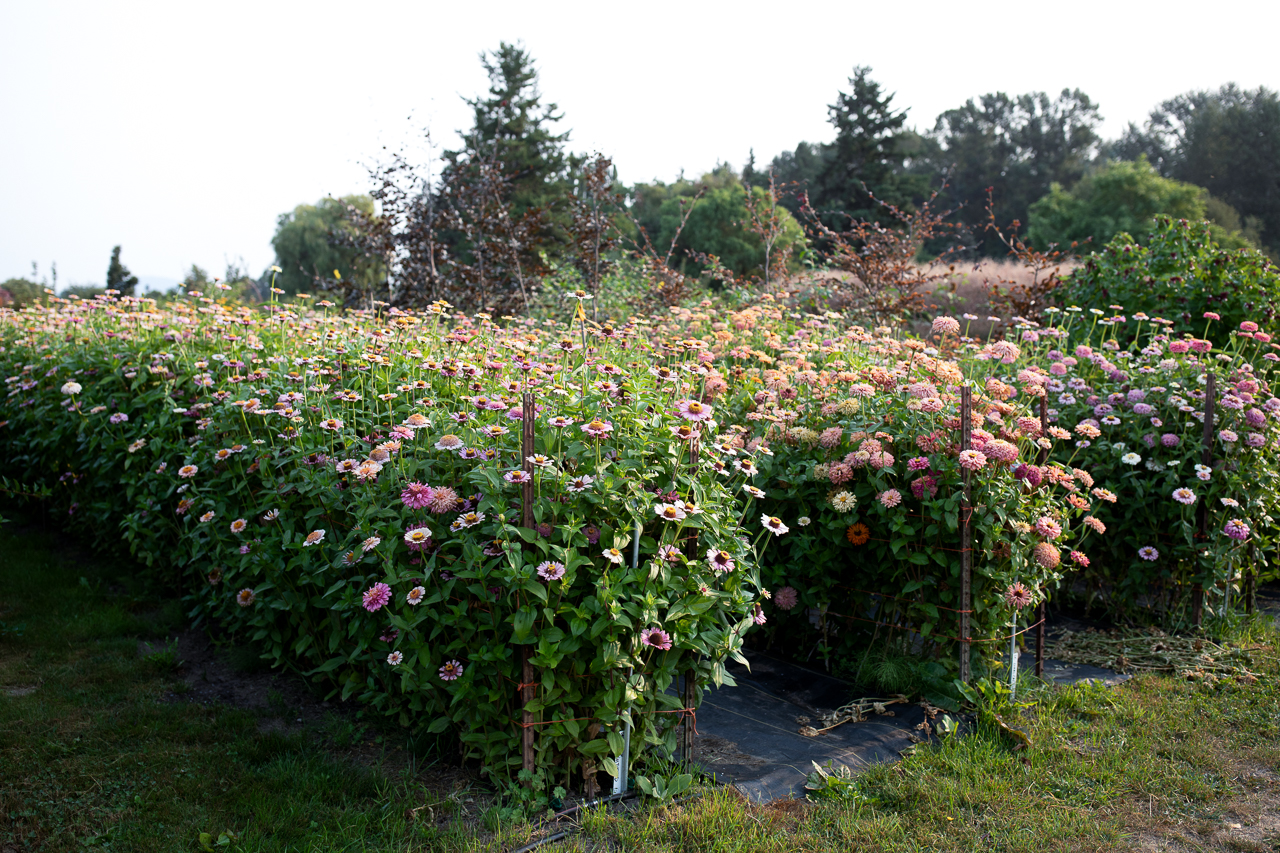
867, 156
513, 130
118, 275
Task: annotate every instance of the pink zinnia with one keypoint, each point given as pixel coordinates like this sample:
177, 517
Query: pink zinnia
451, 671
1079, 559
416, 495
890, 498
1017, 596
720, 561
1046, 555
443, 499
597, 428
376, 597
1048, 528
921, 463
786, 598
972, 460
1000, 450
1236, 529
656, 638
693, 410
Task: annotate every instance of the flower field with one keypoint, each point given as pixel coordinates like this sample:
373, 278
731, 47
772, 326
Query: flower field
425, 508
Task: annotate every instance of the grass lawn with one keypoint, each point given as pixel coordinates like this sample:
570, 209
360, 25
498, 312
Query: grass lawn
101, 749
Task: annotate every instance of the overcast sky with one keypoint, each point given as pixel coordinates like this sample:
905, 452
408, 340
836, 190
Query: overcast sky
182, 130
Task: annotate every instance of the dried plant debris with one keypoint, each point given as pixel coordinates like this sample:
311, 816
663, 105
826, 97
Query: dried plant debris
1153, 650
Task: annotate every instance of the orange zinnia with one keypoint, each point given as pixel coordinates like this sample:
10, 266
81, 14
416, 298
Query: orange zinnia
858, 534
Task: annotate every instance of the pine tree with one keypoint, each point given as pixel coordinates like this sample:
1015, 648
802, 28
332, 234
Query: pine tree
513, 130
118, 275
866, 158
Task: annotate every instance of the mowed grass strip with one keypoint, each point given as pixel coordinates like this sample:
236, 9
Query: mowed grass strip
94, 753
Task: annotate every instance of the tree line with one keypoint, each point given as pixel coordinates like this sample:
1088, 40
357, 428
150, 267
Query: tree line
513, 205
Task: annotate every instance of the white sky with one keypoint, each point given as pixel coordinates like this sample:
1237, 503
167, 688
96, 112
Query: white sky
182, 130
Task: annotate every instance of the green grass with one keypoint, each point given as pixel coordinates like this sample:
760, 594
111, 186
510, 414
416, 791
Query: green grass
96, 754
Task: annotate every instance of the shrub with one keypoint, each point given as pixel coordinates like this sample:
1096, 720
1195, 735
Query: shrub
1179, 275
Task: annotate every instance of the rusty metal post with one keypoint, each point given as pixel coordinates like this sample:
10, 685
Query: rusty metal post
966, 556
526, 652
1042, 607
690, 675
1206, 457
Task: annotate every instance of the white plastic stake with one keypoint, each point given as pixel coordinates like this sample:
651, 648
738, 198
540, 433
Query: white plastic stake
620, 782
1013, 658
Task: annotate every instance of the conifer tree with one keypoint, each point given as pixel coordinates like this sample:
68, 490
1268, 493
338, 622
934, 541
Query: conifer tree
118, 275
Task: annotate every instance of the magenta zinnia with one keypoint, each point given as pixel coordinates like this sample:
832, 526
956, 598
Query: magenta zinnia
416, 495
451, 671
1236, 529
376, 597
656, 638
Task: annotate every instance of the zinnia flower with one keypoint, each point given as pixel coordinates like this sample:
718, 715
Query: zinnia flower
550, 570
1048, 528
376, 597
451, 671
613, 555
245, 597
655, 638
415, 595
207, 517
693, 410
1184, 496
71, 388
720, 561
597, 428
187, 471
773, 524
239, 525
395, 658
1046, 555
786, 598
449, 442
1146, 552
580, 484
1017, 596
418, 537
517, 477
669, 512
858, 534
1236, 529
844, 501
315, 537
370, 543
1095, 524
890, 498
416, 495
972, 460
